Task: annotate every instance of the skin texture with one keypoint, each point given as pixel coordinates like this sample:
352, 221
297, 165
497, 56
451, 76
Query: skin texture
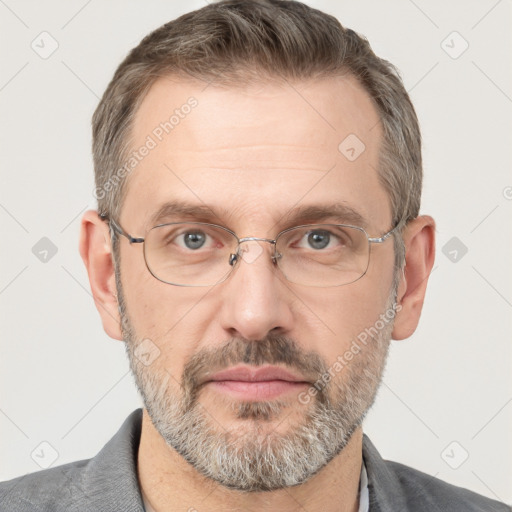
254, 155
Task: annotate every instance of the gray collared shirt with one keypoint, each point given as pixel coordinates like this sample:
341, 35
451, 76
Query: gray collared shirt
108, 483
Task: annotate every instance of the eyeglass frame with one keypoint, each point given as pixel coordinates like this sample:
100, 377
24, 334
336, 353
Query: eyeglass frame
234, 256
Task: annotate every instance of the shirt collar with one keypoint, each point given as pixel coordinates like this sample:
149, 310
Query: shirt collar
364, 495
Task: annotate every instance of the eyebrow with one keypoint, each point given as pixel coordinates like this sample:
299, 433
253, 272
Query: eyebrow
200, 212
338, 213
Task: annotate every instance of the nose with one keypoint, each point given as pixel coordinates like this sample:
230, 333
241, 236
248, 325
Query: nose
255, 300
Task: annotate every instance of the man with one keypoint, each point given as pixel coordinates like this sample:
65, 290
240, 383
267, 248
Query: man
257, 244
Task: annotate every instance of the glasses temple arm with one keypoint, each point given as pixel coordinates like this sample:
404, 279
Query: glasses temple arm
120, 231
385, 236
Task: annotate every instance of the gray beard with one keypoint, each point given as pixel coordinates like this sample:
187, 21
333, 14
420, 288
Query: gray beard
253, 457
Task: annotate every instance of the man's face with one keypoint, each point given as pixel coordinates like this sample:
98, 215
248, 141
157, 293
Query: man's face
257, 156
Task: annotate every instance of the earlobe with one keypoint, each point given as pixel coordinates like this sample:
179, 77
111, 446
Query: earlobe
419, 240
96, 251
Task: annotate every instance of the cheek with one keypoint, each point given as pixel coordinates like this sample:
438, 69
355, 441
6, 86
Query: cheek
342, 314
381, 271
153, 307
173, 318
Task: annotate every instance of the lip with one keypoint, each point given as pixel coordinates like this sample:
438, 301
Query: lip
251, 374
249, 383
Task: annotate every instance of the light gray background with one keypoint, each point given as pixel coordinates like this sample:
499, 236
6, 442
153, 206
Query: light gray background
63, 381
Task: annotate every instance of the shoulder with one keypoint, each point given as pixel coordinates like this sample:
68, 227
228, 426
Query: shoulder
394, 487
436, 495
48, 490
108, 481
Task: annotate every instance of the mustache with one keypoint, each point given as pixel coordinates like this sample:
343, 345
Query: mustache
274, 349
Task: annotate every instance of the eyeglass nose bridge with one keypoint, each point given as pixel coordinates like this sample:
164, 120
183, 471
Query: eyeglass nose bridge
234, 257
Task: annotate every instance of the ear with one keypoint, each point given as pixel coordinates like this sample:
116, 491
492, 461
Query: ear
96, 252
419, 240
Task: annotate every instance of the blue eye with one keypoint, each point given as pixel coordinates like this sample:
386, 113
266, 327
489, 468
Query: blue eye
319, 239
194, 240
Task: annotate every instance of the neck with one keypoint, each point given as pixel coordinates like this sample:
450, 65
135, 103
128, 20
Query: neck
170, 483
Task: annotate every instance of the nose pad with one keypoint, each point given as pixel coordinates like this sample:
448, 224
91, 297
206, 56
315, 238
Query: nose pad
276, 257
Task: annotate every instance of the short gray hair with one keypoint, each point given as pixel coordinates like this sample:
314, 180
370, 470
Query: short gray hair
241, 41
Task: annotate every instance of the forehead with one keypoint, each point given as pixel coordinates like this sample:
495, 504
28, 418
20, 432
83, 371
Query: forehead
255, 151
